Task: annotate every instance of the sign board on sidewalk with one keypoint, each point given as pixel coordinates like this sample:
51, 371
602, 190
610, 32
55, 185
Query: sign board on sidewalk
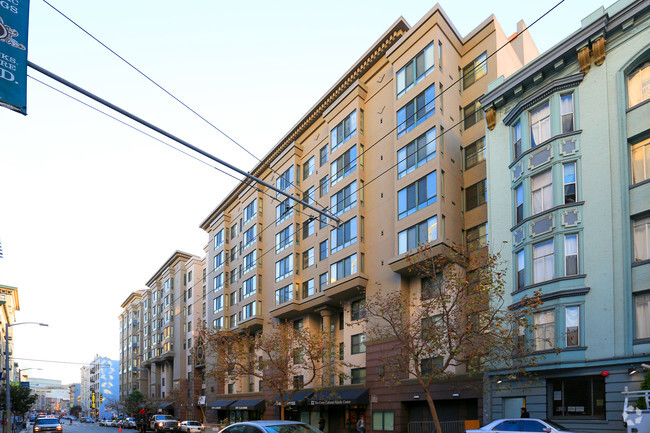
14, 23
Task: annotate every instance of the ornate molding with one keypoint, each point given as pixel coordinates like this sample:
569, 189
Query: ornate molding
598, 51
584, 59
491, 118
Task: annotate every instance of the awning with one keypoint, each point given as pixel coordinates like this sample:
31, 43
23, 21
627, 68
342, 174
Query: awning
221, 404
340, 397
255, 404
165, 404
297, 399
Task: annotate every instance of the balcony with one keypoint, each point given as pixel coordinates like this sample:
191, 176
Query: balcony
402, 264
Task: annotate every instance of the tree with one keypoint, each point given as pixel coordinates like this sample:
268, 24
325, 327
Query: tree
133, 401
75, 410
645, 385
22, 399
459, 323
285, 358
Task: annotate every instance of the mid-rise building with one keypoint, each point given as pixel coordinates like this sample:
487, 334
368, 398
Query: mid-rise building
85, 391
131, 339
104, 386
9, 304
569, 208
395, 150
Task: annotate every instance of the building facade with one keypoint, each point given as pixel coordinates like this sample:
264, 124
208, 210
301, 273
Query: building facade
9, 304
395, 150
569, 204
104, 387
131, 341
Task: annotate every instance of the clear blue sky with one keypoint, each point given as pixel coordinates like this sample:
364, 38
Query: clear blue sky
90, 209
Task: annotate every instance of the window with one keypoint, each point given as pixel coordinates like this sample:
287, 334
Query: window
323, 250
641, 161
283, 295
249, 310
383, 421
566, 112
308, 288
540, 125
218, 239
569, 182
250, 211
234, 253
472, 114
571, 254
324, 186
218, 260
521, 269
519, 204
572, 324
284, 238
343, 268
322, 281
218, 303
217, 323
417, 195
516, 136
343, 165
233, 298
440, 55
577, 397
416, 111
344, 130
308, 258
475, 70
477, 237
542, 191
285, 180
475, 153
249, 287
249, 236
233, 231
424, 232
416, 69
358, 310
344, 235
283, 211
642, 239
324, 155
322, 220
543, 262
429, 366
638, 85
416, 153
475, 195
344, 200
642, 309
284, 268
309, 167
358, 345
218, 282
358, 375
544, 330
233, 277
308, 228
250, 261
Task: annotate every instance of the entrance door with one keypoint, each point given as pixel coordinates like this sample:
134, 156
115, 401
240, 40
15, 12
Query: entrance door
512, 406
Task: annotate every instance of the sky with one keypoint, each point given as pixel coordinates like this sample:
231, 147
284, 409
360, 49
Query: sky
90, 208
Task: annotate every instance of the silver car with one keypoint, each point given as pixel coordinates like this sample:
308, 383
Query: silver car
523, 425
270, 427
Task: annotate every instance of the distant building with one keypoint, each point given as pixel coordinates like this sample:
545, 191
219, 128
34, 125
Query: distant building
569, 209
104, 384
52, 394
85, 391
9, 304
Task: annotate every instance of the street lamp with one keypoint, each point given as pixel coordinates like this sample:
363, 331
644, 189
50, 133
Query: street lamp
20, 372
7, 381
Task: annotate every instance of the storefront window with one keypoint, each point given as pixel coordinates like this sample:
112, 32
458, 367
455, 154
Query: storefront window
576, 397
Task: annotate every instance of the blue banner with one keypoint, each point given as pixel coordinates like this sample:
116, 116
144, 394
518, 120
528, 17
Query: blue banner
14, 23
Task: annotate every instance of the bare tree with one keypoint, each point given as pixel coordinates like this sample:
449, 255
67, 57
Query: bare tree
458, 323
286, 359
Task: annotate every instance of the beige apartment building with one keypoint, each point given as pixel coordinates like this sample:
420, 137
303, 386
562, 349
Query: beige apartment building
9, 304
156, 336
395, 150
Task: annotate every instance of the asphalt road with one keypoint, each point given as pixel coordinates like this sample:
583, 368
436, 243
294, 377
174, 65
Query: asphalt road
85, 427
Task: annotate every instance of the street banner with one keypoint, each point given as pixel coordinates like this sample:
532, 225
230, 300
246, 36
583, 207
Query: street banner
14, 23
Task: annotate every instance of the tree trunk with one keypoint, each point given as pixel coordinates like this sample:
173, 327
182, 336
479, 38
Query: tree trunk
282, 411
432, 408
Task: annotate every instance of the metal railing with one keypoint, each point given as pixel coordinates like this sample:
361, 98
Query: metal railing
430, 427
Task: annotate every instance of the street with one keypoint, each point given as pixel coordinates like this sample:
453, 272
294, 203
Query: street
83, 428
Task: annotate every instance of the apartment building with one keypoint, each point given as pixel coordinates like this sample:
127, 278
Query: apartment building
9, 304
104, 386
395, 150
85, 402
156, 336
569, 207
131, 339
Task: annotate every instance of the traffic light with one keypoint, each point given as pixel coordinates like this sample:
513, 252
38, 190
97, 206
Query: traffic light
101, 398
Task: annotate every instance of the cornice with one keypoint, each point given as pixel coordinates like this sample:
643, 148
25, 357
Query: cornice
367, 61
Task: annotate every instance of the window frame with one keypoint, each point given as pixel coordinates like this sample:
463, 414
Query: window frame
481, 195
544, 261
544, 330
357, 343
412, 66
351, 120
539, 124
403, 195
643, 164
643, 68
470, 70
544, 190
641, 329
475, 151
414, 113
423, 142
475, 115
571, 254
431, 228
641, 245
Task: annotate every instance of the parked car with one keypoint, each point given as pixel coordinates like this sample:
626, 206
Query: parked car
270, 426
47, 424
160, 423
128, 422
521, 425
88, 420
191, 426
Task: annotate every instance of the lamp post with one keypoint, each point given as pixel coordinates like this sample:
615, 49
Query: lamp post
20, 372
7, 380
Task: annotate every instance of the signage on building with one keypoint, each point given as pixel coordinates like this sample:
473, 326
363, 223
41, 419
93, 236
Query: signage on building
14, 23
329, 402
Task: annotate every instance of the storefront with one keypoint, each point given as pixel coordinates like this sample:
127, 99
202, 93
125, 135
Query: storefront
340, 408
221, 409
246, 410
